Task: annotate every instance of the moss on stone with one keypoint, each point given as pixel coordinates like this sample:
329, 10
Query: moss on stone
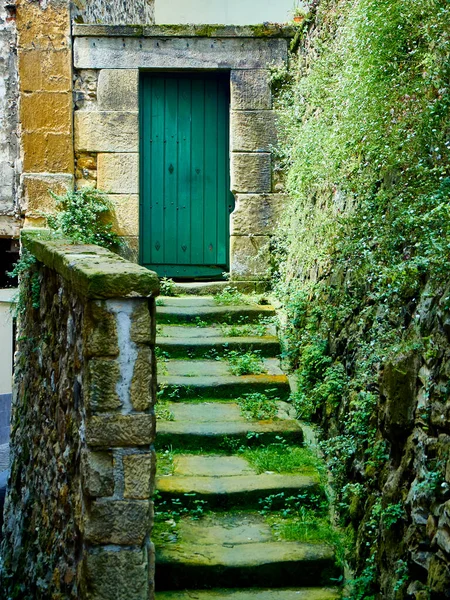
94, 271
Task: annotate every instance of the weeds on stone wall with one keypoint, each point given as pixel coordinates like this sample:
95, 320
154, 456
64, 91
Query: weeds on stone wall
365, 110
83, 216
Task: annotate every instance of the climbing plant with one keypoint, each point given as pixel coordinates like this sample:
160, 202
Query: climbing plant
365, 115
83, 215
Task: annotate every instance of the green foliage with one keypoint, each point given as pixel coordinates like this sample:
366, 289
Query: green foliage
245, 363
230, 296
29, 281
83, 216
281, 458
246, 330
167, 286
257, 406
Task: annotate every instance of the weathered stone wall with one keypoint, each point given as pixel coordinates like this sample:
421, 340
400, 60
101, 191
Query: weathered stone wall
120, 12
44, 50
400, 499
78, 514
9, 223
107, 63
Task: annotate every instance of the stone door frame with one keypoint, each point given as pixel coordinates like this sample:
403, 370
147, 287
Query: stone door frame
106, 126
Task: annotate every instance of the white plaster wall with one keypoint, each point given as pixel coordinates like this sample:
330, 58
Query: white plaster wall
227, 12
6, 345
8, 121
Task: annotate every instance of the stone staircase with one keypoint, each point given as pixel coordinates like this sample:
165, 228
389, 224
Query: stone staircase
220, 545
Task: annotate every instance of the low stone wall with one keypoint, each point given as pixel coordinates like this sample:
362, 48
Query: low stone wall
78, 514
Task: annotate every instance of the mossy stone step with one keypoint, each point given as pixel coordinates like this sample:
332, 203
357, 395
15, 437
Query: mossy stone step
214, 368
253, 594
190, 310
213, 379
238, 490
212, 425
214, 556
197, 342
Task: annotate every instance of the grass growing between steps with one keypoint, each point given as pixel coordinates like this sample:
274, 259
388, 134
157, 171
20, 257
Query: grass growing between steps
245, 363
257, 406
280, 458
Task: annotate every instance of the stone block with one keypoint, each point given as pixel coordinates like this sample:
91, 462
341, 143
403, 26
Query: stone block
120, 430
117, 574
118, 89
9, 226
36, 196
141, 324
139, 471
257, 214
117, 522
141, 383
46, 111
125, 214
43, 25
250, 90
249, 257
47, 70
118, 173
47, 152
100, 331
252, 130
97, 474
251, 172
106, 131
101, 392
178, 53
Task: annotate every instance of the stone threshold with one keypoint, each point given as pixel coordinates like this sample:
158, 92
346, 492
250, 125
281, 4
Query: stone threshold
265, 30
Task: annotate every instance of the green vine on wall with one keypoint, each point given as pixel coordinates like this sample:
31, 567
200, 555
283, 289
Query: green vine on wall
365, 115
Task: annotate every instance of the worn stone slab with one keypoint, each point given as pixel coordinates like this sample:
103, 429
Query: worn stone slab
117, 89
106, 131
175, 52
252, 130
257, 214
214, 287
214, 368
274, 564
187, 465
226, 528
250, 256
108, 276
251, 172
264, 30
216, 411
213, 435
237, 490
118, 172
224, 386
253, 594
198, 347
218, 314
250, 90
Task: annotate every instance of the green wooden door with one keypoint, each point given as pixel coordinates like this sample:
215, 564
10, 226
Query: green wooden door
185, 198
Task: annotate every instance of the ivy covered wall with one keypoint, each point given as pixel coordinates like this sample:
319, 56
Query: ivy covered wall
363, 275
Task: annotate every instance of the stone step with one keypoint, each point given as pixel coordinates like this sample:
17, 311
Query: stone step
253, 594
239, 550
198, 342
192, 309
210, 425
238, 490
213, 379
